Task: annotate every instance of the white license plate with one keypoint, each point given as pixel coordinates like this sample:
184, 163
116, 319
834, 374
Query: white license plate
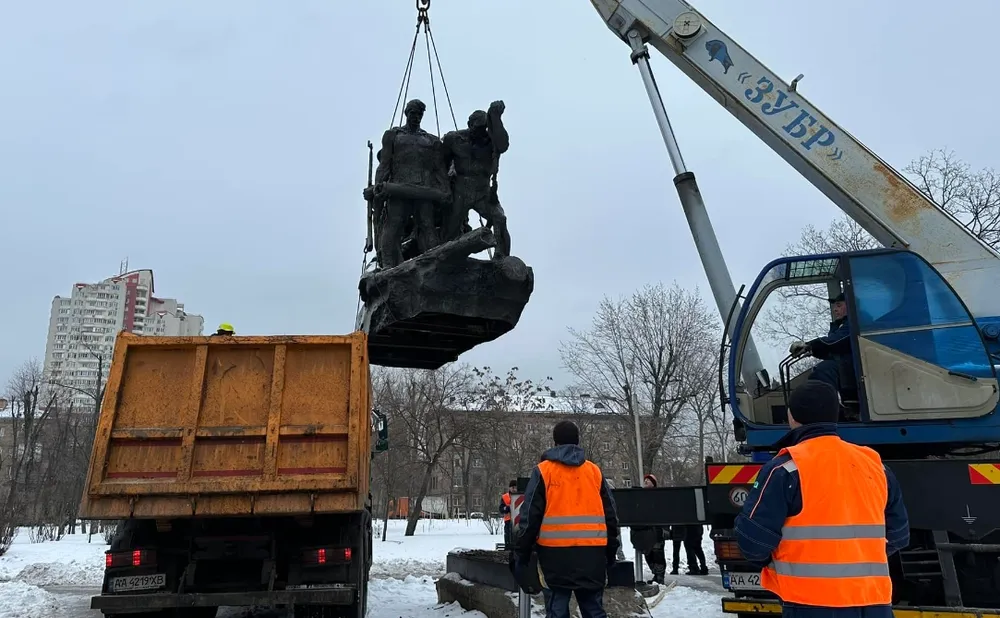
137, 582
742, 581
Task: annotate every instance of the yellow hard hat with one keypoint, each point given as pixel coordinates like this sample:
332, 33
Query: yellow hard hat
226, 326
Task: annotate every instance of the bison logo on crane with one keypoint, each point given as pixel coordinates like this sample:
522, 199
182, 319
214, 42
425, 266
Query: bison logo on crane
717, 50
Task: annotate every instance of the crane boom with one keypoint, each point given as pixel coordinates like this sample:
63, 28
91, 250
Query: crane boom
866, 188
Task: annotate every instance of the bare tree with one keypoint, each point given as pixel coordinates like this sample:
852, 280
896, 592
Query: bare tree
971, 196
637, 354
430, 405
25, 416
802, 312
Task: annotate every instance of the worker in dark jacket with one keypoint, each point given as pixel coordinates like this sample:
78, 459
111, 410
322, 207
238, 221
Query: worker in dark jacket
649, 540
568, 516
836, 366
823, 517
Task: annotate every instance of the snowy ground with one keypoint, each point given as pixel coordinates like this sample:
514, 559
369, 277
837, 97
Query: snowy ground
57, 579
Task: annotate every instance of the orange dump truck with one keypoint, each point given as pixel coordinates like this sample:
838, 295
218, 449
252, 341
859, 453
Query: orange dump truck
240, 468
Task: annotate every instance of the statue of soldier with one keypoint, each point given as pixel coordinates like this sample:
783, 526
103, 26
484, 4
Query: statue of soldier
410, 179
475, 153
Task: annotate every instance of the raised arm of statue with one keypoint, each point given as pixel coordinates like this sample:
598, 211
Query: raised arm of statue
494, 125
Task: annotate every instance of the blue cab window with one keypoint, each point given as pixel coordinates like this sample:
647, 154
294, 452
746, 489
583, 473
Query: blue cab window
900, 290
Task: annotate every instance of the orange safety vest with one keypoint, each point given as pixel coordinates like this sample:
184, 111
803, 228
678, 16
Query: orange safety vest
574, 512
506, 500
833, 553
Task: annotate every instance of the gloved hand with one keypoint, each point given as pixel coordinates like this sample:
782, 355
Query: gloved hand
798, 348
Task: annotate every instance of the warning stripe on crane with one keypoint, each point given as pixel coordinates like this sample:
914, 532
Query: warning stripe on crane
984, 473
733, 474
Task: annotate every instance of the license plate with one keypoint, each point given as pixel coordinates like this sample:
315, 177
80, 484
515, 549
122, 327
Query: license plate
741, 581
137, 582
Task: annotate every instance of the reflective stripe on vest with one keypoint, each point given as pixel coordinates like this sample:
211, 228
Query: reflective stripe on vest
506, 500
574, 512
833, 553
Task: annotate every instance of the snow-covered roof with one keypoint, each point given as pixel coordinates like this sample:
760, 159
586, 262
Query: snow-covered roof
550, 404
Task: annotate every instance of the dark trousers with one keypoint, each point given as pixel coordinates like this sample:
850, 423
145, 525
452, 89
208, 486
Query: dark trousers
507, 529
657, 561
695, 555
677, 554
827, 371
808, 611
591, 602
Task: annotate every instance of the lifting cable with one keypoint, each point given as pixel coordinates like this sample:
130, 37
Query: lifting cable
424, 22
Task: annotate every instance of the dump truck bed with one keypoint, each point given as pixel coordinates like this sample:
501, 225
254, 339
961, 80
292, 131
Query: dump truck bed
232, 426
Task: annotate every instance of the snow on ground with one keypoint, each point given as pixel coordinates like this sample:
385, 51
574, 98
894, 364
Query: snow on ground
425, 552
69, 562
403, 571
27, 601
684, 602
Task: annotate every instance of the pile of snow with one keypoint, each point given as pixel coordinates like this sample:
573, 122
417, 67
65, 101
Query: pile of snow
27, 601
69, 562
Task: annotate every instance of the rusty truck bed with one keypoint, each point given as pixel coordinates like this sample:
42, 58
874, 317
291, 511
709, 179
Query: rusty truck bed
232, 426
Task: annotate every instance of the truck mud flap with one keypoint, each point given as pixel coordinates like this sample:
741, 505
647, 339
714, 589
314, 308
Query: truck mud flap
773, 608
315, 596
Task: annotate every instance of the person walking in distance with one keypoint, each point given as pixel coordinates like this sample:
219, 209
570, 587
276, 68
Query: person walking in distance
569, 517
505, 502
823, 517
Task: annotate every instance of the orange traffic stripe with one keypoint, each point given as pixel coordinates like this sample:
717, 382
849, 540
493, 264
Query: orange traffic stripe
984, 473
733, 474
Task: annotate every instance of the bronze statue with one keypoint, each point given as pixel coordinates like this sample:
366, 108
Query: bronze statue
410, 180
475, 153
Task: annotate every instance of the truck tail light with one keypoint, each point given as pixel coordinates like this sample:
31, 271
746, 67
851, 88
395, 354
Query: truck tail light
327, 555
134, 558
727, 550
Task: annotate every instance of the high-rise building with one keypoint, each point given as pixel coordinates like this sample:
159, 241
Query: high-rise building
83, 327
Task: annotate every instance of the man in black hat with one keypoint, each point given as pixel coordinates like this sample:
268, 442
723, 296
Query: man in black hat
568, 516
823, 517
836, 366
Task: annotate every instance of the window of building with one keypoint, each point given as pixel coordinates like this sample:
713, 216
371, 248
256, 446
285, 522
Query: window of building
477, 501
477, 462
626, 483
625, 465
605, 446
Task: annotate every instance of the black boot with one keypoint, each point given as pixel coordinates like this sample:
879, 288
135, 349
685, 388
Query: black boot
674, 571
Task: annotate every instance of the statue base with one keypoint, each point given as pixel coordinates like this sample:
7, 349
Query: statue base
429, 310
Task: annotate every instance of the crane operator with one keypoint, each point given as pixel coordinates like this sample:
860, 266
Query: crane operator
836, 366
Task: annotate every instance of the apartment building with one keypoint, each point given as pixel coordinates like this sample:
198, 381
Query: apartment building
83, 327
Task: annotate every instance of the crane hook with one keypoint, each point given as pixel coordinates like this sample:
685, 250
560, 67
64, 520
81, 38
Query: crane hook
422, 7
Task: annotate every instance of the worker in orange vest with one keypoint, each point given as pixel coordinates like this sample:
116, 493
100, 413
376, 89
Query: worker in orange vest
568, 516
505, 511
823, 517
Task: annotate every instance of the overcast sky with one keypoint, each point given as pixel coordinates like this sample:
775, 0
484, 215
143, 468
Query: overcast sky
222, 144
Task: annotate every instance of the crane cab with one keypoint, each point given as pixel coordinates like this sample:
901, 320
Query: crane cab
915, 367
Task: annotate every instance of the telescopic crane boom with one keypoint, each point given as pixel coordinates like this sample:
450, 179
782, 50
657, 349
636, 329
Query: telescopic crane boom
865, 187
